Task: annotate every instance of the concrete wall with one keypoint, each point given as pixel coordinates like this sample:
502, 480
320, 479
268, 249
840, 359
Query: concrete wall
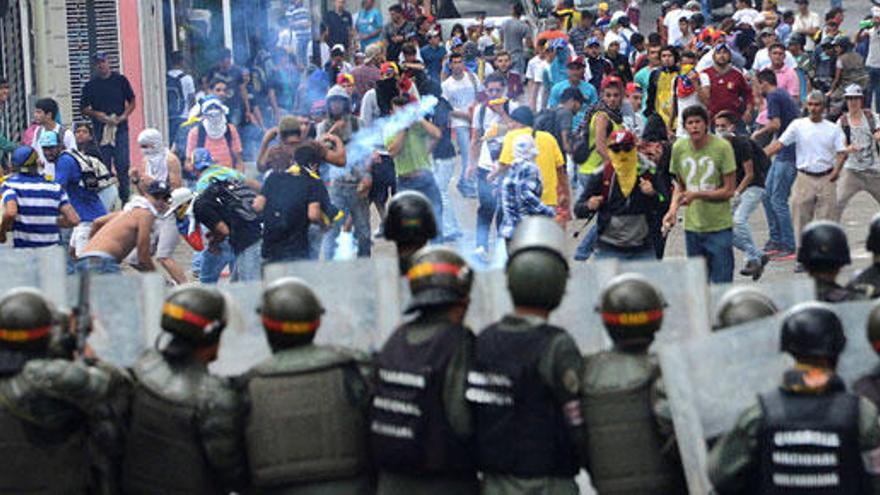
52, 60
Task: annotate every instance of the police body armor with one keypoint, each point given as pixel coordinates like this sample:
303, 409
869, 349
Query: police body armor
409, 430
868, 281
36, 461
627, 454
520, 425
868, 386
163, 451
303, 424
833, 293
811, 443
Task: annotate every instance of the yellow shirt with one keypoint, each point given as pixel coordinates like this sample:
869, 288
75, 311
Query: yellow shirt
548, 160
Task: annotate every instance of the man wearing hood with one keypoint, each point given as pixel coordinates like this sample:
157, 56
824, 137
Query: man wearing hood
217, 135
625, 192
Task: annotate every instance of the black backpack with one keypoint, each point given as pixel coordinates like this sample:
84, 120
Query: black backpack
174, 94
847, 129
235, 197
581, 146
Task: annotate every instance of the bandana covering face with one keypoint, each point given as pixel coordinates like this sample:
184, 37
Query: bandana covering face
155, 153
215, 124
626, 166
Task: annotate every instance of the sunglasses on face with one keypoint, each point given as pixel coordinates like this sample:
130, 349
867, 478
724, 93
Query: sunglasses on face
621, 148
494, 91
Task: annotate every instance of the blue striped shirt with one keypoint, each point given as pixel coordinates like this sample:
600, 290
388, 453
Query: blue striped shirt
39, 203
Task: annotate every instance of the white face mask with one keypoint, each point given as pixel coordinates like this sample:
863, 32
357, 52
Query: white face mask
215, 125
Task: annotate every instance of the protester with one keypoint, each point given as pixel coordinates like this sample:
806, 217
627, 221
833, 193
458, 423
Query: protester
860, 171
47, 116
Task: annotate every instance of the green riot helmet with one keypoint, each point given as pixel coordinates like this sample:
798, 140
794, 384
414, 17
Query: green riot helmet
743, 304
26, 320
812, 329
874, 328
438, 276
631, 309
195, 314
823, 246
291, 313
409, 219
537, 270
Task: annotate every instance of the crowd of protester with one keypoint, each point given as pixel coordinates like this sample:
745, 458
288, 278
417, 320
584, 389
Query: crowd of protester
588, 117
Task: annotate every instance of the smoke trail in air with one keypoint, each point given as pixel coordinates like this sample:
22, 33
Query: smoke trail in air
367, 140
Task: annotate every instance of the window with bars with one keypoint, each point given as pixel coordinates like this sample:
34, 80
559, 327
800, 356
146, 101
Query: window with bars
14, 114
92, 27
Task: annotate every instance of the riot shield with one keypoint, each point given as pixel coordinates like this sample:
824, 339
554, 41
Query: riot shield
243, 343
577, 312
362, 298
490, 300
783, 293
43, 269
126, 314
711, 380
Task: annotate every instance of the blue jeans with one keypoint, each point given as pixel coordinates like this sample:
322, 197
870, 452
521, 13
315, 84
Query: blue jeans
443, 170
873, 94
742, 232
249, 264
607, 253
424, 183
706, 8
463, 143
99, 263
778, 184
316, 236
213, 263
117, 156
488, 209
717, 249
345, 197
588, 243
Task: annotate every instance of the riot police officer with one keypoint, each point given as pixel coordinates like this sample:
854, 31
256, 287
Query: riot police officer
421, 425
305, 431
629, 430
741, 305
868, 280
525, 381
823, 252
810, 434
45, 405
410, 224
868, 386
184, 435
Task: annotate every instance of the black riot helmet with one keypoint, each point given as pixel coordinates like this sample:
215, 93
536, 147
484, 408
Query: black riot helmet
743, 304
873, 328
195, 314
438, 276
873, 243
291, 313
823, 246
26, 320
537, 270
409, 219
631, 309
812, 330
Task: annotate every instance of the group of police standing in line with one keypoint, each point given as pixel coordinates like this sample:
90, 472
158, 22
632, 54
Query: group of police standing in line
516, 402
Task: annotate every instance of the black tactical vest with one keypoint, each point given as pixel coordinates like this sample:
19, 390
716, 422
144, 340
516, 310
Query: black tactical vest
810, 444
304, 425
163, 451
409, 429
520, 425
627, 455
40, 462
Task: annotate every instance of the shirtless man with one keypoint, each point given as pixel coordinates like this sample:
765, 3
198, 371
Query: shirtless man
115, 235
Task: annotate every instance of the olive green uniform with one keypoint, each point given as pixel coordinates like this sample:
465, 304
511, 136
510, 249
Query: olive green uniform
559, 368
834, 293
185, 430
631, 440
344, 449
44, 411
733, 462
458, 415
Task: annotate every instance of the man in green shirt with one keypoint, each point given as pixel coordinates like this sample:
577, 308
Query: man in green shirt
705, 170
412, 160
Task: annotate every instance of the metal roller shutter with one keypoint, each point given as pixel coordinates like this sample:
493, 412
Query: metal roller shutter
13, 115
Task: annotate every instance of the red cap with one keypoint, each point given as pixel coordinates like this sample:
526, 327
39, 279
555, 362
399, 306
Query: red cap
577, 61
621, 137
632, 87
611, 81
343, 77
388, 67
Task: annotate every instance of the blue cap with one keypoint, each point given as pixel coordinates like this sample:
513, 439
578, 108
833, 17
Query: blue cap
99, 57
558, 43
456, 42
594, 41
48, 139
24, 157
202, 159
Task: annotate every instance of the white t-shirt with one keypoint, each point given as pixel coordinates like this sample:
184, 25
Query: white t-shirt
816, 143
491, 119
811, 21
762, 60
860, 136
746, 16
188, 86
535, 72
69, 144
671, 22
461, 94
873, 59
